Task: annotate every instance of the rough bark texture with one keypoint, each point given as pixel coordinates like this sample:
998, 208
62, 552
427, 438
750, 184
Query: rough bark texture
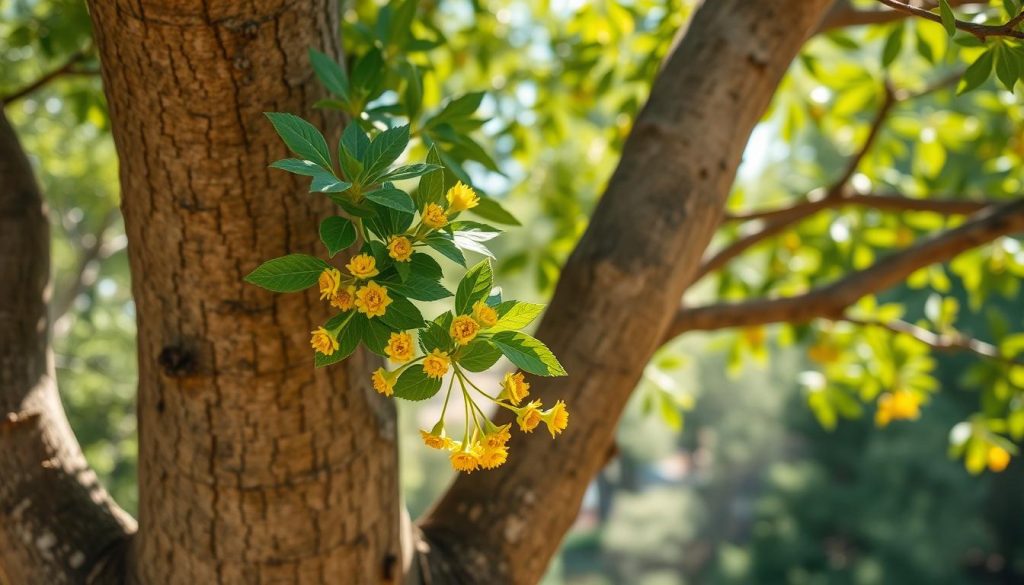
254, 467
623, 283
57, 524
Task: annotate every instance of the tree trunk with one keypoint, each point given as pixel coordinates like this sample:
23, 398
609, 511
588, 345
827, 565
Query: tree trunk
254, 467
623, 282
57, 524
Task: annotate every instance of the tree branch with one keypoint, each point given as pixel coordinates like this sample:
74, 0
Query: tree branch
830, 301
81, 277
844, 14
57, 524
835, 195
939, 341
982, 31
68, 68
946, 206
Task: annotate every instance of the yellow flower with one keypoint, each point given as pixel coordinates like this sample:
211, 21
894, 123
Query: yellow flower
823, 353
323, 341
491, 457
399, 347
466, 459
998, 458
436, 364
383, 382
498, 437
363, 266
898, 405
754, 336
344, 299
529, 416
485, 315
330, 281
557, 418
435, 441
514, 388
464, 328
434, 216
400, 248
372, 300
461, 197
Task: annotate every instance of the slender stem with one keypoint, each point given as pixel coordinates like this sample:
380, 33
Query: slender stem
447, 397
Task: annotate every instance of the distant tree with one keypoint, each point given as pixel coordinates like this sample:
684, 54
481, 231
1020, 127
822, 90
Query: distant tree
256, 467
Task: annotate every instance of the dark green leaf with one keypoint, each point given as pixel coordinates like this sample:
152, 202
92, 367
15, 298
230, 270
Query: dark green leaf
460, 107
977, 73
384, 150
301, 137
431, 188
893, 45
330, 73
479, 355
1006, 68
415, 384
444, 244
403, 315
290, 273
424, 265
393, 198
528, 353
948, 18
435, 336
409, 171
420, 289
473, 287
491, 210
352, 150
337, 233
375, 333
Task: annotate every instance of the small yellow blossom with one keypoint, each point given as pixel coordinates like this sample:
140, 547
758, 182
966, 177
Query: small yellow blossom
383, 382
323, 341
484, 314
498, 437
464, 328
461, 197
557, 418
363, 266
466, 459
898, 405
514, 388
491, 457
372, 300
529, 416
399, 347
344, 299
754, 336
823, 353
434, 216
998, 458
436, 364
436, 441
400, 248
330, 282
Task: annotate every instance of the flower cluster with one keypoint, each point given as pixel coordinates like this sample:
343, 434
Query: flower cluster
401, 236
897, 405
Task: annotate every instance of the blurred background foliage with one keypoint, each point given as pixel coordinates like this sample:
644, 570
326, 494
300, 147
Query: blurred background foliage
747, 456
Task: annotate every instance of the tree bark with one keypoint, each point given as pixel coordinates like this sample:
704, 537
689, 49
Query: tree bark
254, 467
57, 524
623, 282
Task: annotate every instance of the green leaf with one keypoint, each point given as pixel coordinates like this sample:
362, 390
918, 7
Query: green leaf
366, 75
479, 355
290, 273
491, 210
392, 197
384, 150
431, 184
410, 171
301, 137
948, 18
893, 45
415, 384
374, 332
424, 265
1006, 67
528, 353
306, 168
403, 315
352, 150
473, 287
444, 244
337, 233
515, 315
330, 73
348, 341
435, 336
420, 289
460, 107
977, 73
328, 183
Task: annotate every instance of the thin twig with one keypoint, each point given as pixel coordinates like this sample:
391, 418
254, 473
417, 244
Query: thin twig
940, 341
68, 68
981, 31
